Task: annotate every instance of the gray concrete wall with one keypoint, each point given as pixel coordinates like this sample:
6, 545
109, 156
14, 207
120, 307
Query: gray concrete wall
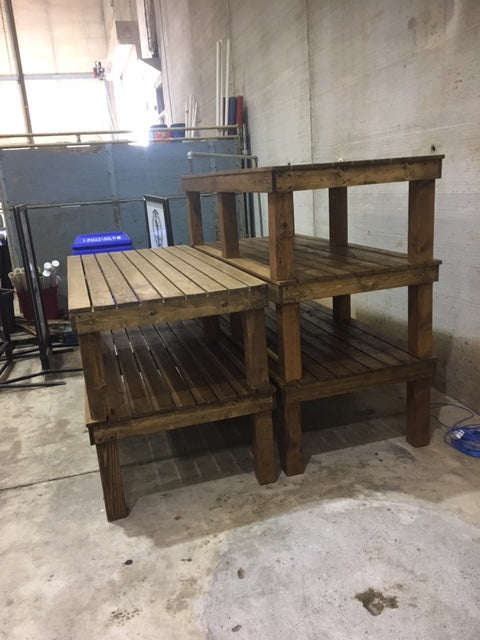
328, 79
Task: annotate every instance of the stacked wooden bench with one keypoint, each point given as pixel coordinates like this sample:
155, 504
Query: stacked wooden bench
153, 358
313, 352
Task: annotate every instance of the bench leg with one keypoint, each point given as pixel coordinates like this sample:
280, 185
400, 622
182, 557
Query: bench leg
289, 430
418, 412
264, 448
112, 483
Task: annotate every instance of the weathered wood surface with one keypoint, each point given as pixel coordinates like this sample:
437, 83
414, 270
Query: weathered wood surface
113, 290
322, 270
317, 176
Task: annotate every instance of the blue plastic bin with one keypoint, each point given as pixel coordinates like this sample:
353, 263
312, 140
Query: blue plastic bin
101, 243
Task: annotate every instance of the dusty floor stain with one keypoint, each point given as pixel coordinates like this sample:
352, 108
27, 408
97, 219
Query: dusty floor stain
375, 602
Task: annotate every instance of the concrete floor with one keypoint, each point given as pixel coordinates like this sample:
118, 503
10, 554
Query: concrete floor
375, 540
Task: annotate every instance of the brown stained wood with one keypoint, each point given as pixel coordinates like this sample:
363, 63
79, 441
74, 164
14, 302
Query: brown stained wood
158, 280
420, 303
159, 395
349, 384
317, 176
282, 231
254, 344
78, 298
249, 266
94, 373
194, 212
119, 401
421, 210
289, 430
194, 307
133, 381
263, 448
338, 225
112, 483
177, 386
100, 294
213, 275
143, 289
418, 412
243, 181
338, 216
353, 284
169, 264
121, 291
349, 174
211, 328
289, 341
227, 220
212, 265
174, 420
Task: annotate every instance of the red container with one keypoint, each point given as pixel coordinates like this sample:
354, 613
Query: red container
49, 297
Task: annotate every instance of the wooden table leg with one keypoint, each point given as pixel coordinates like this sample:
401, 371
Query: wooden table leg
289, 430
256, 367
94, 374
420, 344
338, 225
112, 483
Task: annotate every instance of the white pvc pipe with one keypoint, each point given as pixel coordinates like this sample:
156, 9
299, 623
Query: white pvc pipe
227, 71
220, 93
217, 83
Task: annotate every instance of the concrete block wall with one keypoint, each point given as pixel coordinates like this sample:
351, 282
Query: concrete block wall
329, 79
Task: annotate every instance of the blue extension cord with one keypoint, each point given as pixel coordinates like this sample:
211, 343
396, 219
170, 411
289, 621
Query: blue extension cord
465, 438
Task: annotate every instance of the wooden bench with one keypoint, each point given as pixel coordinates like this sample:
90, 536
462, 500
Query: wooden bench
299, 268
150, 367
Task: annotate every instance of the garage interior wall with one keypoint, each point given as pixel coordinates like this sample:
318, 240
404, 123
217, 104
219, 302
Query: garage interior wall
330, 79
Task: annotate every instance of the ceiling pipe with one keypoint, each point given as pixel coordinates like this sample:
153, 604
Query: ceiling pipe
20, 74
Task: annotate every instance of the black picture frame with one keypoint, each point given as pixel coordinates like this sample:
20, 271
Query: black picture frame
159, 224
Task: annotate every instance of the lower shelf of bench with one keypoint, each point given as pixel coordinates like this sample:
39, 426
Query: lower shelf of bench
167, 376
340, 357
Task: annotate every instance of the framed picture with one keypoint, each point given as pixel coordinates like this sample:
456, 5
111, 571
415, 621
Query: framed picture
158, 221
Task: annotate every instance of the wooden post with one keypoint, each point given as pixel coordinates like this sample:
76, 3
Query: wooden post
194, 211
256, 367
281, 230
227, 219
289, 430
94, 374
421, 210
112, 483
289, 341
338, 227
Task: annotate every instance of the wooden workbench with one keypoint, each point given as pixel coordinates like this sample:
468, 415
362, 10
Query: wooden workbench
299, 268
151, 365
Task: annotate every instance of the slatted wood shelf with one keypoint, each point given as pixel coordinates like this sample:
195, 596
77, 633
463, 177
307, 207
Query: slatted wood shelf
322, 270
341, 357
162, 377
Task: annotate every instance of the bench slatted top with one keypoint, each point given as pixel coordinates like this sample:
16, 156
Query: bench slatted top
133, 288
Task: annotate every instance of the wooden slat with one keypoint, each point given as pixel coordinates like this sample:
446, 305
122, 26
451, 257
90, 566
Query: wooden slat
119, 400
120, 288
166, 288
100, 294
225, 268
209, 275
136, 279
133, 381
177, 386
78, 298
159, 395
170, 263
